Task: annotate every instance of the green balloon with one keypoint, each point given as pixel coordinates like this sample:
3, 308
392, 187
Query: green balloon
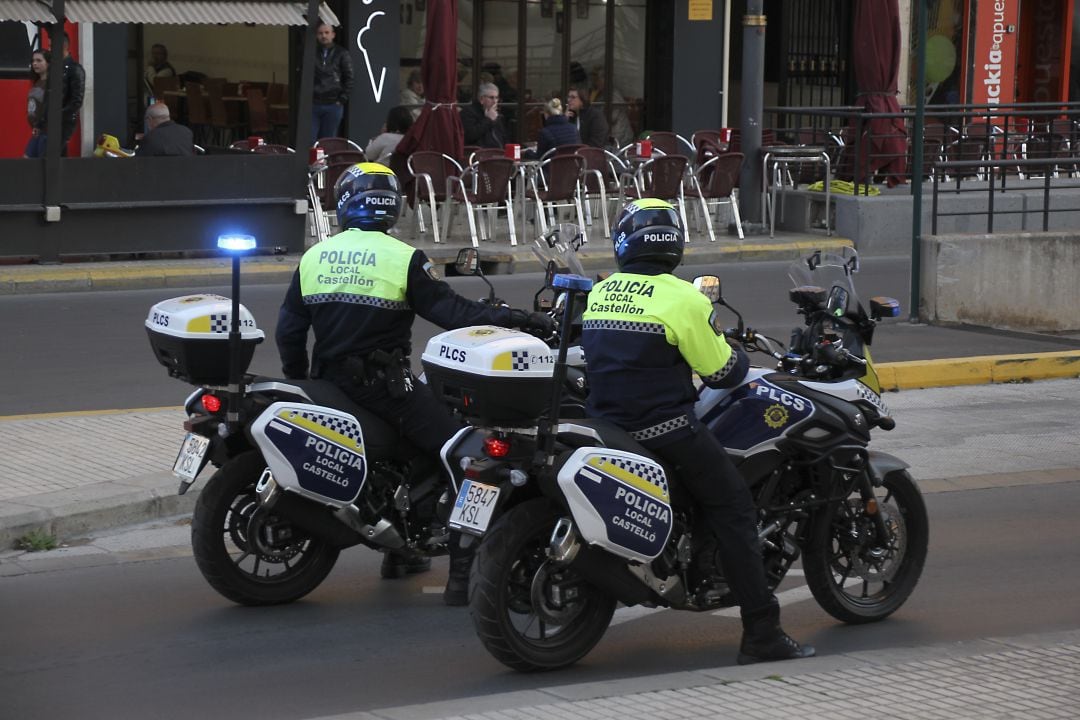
940, 58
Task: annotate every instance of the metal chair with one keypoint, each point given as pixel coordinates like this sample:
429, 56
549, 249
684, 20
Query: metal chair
718, 184
272, 149
561, 179
349, 156
599, 180
661, 178
331, 145
670, 143
431, 172
484, 185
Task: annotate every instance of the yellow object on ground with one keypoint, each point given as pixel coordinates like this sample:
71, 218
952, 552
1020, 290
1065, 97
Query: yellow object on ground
843, 187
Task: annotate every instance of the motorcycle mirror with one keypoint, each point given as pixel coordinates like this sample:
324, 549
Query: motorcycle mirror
837, 304
709, 286
468, 262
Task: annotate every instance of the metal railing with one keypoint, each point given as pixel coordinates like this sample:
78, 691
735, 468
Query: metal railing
995, 170
1009, 132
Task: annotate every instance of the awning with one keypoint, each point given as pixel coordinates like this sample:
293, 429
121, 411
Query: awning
193, 12
26, 11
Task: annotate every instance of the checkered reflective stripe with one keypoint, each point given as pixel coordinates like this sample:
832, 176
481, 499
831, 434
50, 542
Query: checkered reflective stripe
722, 372
219, 323
356, 300
519, 359
654, 474
627, 325
339, 425
660, 429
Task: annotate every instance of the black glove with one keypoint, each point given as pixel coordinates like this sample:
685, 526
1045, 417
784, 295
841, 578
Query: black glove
538, 322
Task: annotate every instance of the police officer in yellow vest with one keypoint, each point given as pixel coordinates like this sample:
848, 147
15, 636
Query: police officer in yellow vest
646, 328
360, 291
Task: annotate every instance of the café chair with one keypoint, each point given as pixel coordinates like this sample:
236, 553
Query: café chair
258, 114
198, 120
431, 171
599, 180
718, 184
332, 145
484, 185
557, 184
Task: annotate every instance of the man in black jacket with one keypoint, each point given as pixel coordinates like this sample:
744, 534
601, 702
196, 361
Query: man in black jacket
74, 87
481, 121
333, 83
163, 136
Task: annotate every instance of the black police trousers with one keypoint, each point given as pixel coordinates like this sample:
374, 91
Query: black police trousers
704, 469
417, 414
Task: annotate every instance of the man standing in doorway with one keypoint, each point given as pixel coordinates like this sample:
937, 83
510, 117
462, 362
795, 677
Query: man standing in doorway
74, 87
333, 82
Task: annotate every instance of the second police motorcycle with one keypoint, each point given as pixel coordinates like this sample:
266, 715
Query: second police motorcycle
575, 516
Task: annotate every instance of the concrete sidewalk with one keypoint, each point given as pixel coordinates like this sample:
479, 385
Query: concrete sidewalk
1031, 677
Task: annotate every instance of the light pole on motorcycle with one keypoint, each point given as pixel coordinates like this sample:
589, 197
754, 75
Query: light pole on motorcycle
574, 286
237, 245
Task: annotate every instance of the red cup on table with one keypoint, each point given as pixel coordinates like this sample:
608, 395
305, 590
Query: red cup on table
725, 135
513, 151
644, 149
316, 155
255, 141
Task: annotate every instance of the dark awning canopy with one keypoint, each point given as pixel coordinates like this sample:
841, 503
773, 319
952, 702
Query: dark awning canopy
168, 12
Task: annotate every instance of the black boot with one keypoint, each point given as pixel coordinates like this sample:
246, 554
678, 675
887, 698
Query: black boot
457, 583
397, 565
764, 640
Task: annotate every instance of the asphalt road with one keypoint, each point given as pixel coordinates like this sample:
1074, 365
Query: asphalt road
89, 351
150, 639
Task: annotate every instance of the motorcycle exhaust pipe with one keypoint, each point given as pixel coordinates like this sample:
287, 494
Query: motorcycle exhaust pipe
267, 490
599, 568
314, 519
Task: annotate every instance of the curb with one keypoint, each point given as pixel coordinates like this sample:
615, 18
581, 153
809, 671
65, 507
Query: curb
68, 514
150, 274
978, 370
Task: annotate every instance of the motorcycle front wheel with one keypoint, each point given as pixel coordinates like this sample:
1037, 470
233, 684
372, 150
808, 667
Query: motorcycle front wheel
248, 554
518, 599
853, 576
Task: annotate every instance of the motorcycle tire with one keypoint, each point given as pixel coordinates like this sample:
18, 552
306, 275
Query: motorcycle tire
509, 573
841, 569
225, 514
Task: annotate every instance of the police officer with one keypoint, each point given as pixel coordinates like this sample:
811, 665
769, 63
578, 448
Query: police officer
360, 291
644, 327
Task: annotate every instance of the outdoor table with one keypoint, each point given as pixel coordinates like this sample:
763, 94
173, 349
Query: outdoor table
775, 162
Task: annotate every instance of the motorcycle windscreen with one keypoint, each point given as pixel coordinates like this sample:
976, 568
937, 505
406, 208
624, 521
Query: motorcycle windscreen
313, 450
620, 501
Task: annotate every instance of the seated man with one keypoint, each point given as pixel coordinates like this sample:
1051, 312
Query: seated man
163, 136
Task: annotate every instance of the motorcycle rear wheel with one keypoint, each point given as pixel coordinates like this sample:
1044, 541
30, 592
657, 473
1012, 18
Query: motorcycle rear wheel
508, 596
853, 578
243, 568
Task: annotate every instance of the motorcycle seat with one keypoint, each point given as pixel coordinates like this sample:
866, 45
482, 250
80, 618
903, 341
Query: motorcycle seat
612, 435
381, 440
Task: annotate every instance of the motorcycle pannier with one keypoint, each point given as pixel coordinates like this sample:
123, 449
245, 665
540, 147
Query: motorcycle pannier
492, 375
190, 337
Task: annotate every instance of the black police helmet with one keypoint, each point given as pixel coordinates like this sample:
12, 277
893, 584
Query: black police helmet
648, 230
368, 197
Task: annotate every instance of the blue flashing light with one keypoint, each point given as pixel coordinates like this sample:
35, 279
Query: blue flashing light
572, 282
236, 243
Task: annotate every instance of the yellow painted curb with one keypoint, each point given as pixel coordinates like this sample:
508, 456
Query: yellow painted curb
85, 413
978, 370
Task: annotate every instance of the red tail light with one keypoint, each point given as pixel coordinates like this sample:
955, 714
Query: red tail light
496, 447
212, 403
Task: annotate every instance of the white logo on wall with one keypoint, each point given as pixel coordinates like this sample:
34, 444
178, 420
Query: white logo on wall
376, 88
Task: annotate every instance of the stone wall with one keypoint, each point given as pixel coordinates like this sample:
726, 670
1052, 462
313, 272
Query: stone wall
1016, 281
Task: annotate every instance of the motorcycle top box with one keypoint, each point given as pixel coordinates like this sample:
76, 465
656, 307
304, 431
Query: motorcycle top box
190, 337
492, 375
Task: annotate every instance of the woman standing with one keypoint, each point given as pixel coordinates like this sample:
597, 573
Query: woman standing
557, 130
35, 103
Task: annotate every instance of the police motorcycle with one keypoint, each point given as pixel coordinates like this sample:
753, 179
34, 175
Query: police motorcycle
303, 472
576, 516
